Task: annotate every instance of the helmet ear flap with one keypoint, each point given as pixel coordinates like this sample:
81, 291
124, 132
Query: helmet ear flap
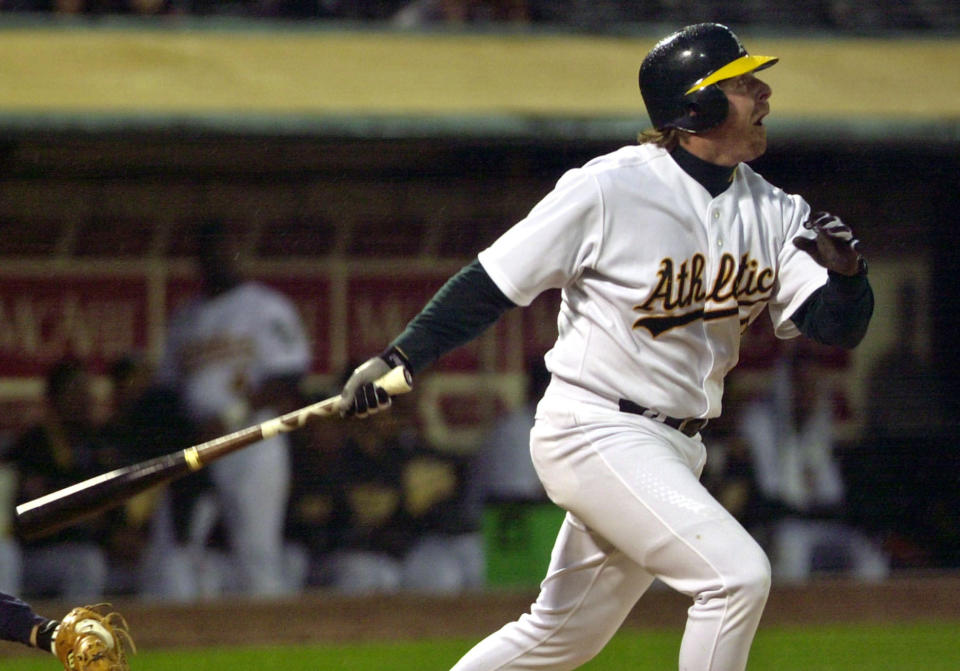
703, 109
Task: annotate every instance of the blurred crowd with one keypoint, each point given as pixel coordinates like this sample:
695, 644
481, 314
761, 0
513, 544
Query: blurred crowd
353, 507
373, 506
356, 507
591, 15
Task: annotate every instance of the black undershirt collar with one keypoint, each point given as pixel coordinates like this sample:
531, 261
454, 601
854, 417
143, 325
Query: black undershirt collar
714, 178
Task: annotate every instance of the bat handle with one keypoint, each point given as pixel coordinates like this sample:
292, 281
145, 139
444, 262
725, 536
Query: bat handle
397, 381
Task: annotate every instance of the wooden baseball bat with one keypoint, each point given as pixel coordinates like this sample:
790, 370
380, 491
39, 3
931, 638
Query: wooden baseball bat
64, 507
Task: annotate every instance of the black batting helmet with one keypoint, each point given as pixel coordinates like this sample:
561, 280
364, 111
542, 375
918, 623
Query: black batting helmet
678, 77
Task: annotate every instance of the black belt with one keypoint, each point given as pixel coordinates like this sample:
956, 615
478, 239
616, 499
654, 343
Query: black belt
688, 427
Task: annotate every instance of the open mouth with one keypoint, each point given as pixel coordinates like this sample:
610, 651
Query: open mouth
759, 121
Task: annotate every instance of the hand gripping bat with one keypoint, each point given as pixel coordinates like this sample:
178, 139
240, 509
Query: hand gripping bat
66, 506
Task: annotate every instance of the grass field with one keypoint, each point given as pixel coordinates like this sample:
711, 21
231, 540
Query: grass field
899, 647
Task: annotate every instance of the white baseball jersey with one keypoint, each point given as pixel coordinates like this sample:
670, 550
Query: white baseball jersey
658, 278
220, 348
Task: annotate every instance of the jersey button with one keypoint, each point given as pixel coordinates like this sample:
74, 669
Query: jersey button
716, 214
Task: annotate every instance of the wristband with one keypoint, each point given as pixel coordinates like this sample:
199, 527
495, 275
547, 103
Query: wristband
44, 635
394, 357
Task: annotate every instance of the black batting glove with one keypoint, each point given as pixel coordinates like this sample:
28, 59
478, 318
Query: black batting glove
833, 245
361, 396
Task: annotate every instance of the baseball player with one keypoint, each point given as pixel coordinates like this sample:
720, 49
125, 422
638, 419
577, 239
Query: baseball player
664, 253
86, 639
236, 355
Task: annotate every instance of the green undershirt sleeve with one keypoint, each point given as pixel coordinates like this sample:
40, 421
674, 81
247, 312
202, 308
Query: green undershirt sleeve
460, 311
838, 312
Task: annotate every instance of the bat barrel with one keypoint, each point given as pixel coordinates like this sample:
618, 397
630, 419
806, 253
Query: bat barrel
64, 507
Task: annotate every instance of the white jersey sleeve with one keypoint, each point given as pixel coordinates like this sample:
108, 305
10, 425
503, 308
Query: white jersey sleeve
798, 274
561, 236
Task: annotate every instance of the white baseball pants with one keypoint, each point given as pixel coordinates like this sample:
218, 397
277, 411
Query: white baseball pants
253, 488
636, 511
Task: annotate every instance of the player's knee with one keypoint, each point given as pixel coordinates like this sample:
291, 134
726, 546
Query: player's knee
751, 582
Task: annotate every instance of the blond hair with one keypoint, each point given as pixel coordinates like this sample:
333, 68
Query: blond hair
668, 138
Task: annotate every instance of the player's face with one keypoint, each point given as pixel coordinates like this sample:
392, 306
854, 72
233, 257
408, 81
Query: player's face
742, 135
219, 260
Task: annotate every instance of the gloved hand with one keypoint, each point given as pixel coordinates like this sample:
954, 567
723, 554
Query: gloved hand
834, 246
88, 639
360, 396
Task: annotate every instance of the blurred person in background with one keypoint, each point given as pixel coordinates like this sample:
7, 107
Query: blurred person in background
316, 519
62, 450
408, 513
236, 355
904, 478
155, 549
382, 511
146, 422
791, 433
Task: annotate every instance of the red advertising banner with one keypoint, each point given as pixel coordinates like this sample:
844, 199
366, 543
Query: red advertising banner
379, 307
101, 318
42, 319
